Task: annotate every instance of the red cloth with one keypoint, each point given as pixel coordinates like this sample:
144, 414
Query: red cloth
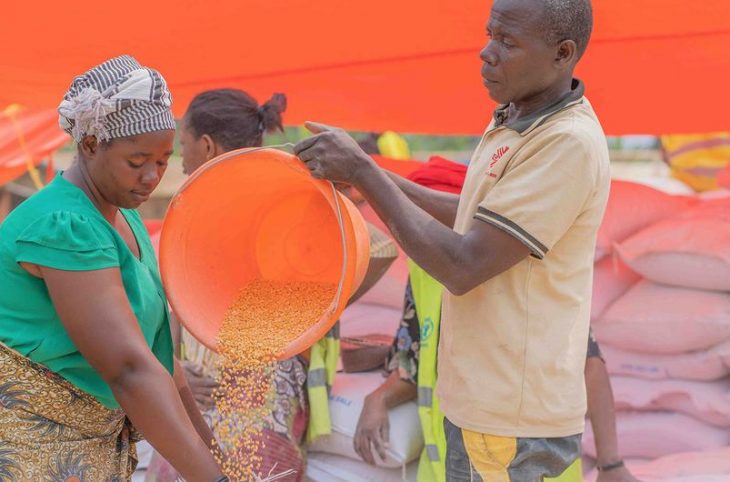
440, 174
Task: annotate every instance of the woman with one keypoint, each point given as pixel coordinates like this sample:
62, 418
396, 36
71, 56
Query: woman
216, 122
86, 356
222, 120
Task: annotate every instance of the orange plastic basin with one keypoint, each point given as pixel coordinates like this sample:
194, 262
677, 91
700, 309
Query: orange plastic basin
257, 214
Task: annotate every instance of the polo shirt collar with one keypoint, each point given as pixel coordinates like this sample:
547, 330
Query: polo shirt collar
526, 124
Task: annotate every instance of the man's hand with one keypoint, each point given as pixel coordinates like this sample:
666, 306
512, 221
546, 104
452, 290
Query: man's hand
201, 385
332, 154
373, 429
620, 474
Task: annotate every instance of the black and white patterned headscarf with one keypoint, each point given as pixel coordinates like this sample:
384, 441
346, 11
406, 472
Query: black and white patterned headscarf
118, 98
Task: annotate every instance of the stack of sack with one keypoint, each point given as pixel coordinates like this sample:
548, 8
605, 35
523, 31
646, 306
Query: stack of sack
332, 458
708, 466
332, 454
375, 316
661, 313
324, 467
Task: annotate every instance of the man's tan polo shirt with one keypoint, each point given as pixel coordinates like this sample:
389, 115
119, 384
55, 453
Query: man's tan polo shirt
512, 350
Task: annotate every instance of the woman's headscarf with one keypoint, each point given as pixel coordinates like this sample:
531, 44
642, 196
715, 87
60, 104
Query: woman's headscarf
118, 98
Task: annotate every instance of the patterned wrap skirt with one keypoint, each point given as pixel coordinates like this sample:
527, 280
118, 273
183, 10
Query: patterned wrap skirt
50, 431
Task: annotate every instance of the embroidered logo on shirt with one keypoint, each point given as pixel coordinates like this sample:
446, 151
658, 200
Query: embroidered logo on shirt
495, 159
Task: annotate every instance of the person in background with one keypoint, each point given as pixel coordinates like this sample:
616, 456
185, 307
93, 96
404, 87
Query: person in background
601, 413
216, 122
86, 355
514, 251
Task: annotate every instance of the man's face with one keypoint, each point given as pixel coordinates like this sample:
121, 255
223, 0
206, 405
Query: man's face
518, 61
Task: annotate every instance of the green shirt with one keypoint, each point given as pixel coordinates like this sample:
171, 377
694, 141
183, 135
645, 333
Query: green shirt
60, 228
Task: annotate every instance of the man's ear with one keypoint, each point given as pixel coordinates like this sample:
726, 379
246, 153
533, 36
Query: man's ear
566, 54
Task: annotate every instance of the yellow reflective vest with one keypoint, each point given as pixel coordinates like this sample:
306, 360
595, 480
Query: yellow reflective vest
323, 359
427, 298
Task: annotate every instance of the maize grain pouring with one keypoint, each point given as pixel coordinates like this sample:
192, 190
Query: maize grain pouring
262, 321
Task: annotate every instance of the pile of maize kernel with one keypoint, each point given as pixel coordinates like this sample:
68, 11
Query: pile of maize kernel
263, 320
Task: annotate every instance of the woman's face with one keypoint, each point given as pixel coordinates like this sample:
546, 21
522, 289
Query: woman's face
194, 151
127, 170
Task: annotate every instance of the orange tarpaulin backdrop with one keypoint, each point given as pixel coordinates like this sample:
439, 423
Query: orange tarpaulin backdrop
27, 137
654, 66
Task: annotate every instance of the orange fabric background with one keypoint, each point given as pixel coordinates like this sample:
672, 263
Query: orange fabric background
41, 136
654, 66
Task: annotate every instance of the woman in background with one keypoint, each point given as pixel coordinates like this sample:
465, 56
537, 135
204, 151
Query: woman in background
216, 122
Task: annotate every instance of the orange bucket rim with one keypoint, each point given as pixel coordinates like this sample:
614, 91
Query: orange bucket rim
347, 231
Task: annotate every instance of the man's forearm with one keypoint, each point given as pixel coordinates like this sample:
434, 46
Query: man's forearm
430, 243
440, 205
424, 229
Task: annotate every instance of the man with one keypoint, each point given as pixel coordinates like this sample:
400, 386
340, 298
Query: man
514, 251
412, 367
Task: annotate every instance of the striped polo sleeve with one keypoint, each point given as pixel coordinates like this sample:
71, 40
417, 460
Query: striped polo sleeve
546, 186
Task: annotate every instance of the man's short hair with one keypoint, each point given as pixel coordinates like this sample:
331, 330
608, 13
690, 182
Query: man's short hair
568, 20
